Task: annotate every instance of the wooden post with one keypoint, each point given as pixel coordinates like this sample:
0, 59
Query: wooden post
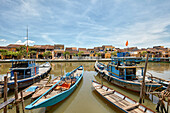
22, 100
61, 71
142, 92
16, 92
5, 91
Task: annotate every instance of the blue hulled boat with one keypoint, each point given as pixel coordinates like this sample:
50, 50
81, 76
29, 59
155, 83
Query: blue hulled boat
61, 90
28, 72
122, 72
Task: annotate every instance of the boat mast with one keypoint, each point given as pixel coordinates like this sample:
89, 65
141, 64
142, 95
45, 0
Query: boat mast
27, 41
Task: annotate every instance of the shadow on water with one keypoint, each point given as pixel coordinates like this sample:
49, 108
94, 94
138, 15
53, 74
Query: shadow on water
67, 101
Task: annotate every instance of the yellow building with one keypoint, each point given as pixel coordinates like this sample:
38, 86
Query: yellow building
58, 51
108, 55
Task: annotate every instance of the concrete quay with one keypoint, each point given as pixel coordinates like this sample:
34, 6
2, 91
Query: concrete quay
64, 60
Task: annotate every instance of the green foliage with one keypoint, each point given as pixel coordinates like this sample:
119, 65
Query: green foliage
144, 52
114, 53
66, 53
80, 53
74, 54
2, 50
33, 52
99, 54
47, 54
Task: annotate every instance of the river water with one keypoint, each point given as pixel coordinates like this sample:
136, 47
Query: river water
84, 99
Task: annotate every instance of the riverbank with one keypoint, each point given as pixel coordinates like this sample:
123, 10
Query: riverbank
79, 60
63, 60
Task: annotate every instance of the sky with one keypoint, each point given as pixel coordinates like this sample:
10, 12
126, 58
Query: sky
86, 23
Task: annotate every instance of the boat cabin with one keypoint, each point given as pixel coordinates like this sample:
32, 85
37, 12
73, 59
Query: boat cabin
25, 68
124, 68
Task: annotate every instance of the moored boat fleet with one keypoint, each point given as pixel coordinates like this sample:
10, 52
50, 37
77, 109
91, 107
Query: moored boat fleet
45, 92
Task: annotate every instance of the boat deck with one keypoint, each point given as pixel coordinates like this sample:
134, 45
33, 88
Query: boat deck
148, 83
118, 99
56, 90
40, 85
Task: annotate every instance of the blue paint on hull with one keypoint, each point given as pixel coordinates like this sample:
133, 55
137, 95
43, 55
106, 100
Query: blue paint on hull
57, 98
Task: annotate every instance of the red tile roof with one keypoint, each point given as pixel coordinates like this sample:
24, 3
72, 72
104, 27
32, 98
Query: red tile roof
14, 45
43, 46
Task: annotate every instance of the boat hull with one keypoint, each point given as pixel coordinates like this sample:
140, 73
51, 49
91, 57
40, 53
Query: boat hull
133, 86
29, 81
57, 98
119, 100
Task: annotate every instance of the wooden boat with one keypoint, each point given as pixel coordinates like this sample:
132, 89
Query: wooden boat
34, 88
61, 90
45, 88
27, 72
123, 74
119, 100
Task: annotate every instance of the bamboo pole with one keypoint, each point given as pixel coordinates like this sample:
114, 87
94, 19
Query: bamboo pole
5, 91
61, 71
22, 100
16, 92
142, 92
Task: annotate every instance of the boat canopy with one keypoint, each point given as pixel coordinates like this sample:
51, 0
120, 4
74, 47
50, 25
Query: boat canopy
25, 68
22, 60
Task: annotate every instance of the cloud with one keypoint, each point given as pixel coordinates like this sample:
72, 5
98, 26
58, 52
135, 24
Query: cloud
24, 43
47, 38
87, 23
2, 40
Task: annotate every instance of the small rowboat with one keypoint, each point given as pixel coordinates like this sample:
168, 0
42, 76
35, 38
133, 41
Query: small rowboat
45, 88
119, 100
33, 88
61, 90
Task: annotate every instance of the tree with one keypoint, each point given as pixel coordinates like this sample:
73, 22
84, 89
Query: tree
143, 53
46, 54
114, 53
98, 55
3, 52
32, 53
80, 53
22, 51
66, 53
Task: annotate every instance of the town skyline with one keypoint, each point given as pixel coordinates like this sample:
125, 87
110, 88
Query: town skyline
86, 23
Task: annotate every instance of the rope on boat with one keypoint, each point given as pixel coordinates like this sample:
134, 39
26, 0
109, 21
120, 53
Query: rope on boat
158, 88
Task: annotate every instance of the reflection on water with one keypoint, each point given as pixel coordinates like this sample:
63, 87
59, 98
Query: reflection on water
84, 99
161, 70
